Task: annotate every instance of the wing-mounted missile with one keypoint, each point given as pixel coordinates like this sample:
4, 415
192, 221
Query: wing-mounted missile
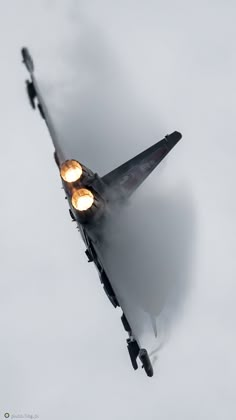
29, 64
36, 100
31, 93
146, 363
135, 351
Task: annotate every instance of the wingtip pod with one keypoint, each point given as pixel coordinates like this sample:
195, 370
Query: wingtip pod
144, 357
27, 59
135, 352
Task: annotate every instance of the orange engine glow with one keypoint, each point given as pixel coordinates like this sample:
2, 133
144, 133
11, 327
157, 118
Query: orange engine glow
82, 199
71, 171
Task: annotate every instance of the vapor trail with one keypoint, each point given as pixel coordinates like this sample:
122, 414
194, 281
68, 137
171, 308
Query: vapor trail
150, 239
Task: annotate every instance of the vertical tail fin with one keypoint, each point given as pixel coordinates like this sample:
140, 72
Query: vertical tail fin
125, 179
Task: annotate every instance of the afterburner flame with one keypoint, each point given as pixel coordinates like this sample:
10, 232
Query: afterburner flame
82, 199
71, 171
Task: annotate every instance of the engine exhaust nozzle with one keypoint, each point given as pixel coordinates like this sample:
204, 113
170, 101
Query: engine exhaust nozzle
82, 199
71, 171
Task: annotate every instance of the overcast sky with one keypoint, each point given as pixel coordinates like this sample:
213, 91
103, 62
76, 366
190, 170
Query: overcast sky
118, 76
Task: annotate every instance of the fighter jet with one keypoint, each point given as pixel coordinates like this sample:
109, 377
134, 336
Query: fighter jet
92, 199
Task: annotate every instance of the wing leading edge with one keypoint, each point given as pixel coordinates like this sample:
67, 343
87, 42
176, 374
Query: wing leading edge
125, 179
36, 98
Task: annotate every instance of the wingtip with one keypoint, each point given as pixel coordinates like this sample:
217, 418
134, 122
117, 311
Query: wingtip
179, 134
27, 59
173, 138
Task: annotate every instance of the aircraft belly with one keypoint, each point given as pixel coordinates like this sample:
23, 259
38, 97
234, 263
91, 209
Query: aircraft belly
136, 316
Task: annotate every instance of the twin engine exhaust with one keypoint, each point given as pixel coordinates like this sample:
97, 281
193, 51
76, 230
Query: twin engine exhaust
76, 180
